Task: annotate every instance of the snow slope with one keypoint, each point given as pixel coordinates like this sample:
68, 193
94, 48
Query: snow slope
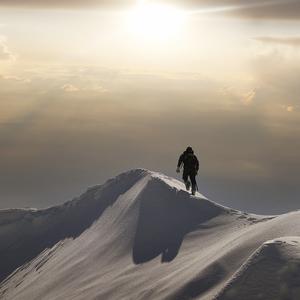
141, 236
276, 264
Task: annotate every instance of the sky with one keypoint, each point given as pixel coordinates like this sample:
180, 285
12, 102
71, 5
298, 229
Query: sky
90, 89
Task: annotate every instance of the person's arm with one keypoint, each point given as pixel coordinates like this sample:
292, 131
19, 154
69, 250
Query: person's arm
197, 163
180, 161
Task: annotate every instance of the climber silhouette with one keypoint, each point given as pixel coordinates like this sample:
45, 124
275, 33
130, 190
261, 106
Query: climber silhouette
190, 168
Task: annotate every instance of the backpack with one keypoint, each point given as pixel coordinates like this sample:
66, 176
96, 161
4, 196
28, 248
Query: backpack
190, 161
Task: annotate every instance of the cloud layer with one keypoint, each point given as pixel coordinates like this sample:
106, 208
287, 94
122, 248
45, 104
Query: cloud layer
289, 41
65, 135
66, 3
5, 53
264, 9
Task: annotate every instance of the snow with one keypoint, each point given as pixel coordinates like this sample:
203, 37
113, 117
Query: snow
142, 236
271, 272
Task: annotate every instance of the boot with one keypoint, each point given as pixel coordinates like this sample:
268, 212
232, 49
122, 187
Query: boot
187, 185
194, 189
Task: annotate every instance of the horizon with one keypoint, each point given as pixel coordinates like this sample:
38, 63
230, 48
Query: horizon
90, 89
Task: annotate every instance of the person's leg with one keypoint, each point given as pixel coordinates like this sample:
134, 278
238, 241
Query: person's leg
185, 177
194, 183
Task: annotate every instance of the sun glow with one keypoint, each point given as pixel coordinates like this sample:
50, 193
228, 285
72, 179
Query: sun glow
156, 21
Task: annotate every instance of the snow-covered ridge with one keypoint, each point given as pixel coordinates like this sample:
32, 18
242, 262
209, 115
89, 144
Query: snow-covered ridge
40, 229
138, 236
24, 233
271, 272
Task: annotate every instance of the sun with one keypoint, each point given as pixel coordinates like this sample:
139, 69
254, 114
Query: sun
155, 21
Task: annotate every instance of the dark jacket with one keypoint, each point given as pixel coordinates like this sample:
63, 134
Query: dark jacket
190, 162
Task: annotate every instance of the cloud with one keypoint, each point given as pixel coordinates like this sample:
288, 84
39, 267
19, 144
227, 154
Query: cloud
15, 78
284, 9
265, 9
5, 53
289, 41
88, 87
248, 97
66, 3
94, 87
70, 88
277, 75
245, 97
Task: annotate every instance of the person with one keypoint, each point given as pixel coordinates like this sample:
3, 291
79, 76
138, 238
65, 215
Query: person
190, 168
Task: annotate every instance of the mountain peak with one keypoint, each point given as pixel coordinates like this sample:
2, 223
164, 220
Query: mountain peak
160, 198
143, 229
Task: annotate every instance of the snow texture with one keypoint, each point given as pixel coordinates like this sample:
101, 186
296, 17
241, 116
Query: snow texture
142, 236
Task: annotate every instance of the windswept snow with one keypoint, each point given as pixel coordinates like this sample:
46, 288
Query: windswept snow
142, 236
271, 272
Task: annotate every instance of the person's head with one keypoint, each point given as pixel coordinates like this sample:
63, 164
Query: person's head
189, 149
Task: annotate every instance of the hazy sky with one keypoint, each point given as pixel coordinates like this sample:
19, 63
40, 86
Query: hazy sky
89, 89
